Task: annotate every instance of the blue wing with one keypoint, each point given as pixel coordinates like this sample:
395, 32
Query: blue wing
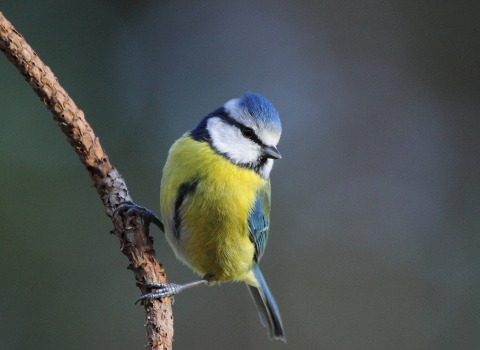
259, 220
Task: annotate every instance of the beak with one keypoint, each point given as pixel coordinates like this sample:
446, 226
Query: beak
271, 152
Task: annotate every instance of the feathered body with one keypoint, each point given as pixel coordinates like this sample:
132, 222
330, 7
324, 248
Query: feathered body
213, 236
215, 197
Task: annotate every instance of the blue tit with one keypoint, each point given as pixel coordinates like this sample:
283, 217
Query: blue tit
215, 200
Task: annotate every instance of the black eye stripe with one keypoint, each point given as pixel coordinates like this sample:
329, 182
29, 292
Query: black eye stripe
254, 138
223, 114
200, 132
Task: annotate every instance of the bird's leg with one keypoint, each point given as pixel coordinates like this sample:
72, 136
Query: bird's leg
169, 289
147, 215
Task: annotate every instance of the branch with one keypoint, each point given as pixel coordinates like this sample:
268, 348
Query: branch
135, 242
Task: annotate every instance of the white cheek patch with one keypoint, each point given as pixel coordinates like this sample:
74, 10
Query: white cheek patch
227, 139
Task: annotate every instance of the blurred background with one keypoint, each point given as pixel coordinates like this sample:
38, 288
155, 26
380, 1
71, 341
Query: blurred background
375, 239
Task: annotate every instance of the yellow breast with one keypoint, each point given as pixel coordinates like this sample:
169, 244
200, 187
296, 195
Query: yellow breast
214, 237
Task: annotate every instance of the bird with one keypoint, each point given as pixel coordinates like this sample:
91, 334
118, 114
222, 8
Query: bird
215, 201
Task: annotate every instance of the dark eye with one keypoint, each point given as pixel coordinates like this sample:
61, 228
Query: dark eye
247, 132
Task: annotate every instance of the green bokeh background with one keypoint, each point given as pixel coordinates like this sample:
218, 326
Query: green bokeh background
376, 202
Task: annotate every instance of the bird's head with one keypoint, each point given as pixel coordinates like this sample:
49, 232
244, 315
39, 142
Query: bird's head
245, 130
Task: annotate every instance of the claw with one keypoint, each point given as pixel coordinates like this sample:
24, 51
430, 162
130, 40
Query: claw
132, 209
163, 291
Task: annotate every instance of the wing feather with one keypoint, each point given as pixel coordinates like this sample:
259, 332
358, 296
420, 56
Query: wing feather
259, 220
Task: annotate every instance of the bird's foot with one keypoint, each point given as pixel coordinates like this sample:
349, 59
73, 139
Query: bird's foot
164, 290
131, 209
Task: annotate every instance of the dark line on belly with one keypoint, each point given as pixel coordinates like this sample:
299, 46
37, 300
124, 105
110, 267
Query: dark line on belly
185, 189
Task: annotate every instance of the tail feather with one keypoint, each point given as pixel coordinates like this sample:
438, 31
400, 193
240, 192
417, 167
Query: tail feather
267, 308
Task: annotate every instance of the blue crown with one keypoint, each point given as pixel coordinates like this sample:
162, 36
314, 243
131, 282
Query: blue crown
262, 110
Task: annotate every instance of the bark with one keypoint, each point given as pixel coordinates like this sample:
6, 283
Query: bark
135, 242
